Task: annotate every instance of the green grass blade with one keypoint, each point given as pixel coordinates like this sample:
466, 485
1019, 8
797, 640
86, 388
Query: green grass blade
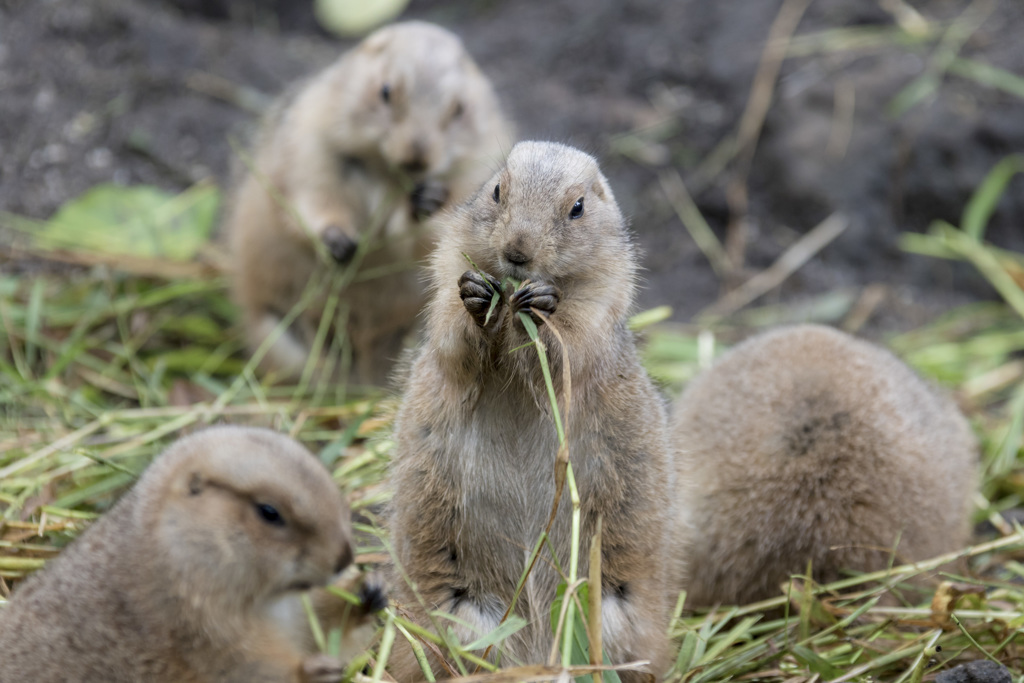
534, 334
33, 322
986, 198
989, 75
509, 627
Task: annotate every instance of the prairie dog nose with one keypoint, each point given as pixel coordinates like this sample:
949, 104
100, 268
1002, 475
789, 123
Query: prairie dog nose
341, 247
515, 256
414, 165
416, 158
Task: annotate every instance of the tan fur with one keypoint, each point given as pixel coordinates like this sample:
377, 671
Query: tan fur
343, 162
475, 440
807, 444
183, 580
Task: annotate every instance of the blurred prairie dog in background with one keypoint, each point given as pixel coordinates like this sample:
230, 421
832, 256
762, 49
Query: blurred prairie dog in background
195, 574
807, 444
368, 149
475, 439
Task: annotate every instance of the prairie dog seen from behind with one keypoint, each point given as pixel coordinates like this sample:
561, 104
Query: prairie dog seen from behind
194, 575
475, 439
807, 444
400, 126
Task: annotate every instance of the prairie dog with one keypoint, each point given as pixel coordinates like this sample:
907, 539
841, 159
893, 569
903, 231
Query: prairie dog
400, 126
475, 438
808, 444
194, 575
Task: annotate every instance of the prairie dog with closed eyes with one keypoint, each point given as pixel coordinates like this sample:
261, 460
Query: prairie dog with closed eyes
400, 126
195, 574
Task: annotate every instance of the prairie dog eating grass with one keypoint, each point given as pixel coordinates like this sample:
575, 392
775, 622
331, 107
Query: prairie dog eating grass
196, 574
807, 444
367, 150
475, 437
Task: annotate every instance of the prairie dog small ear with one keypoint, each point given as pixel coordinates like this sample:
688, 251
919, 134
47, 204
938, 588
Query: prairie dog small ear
195, 484
466, 62
375, 43
599, 189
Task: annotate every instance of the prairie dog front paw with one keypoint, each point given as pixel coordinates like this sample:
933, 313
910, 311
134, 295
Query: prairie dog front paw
536, 298
477, 293
427, 198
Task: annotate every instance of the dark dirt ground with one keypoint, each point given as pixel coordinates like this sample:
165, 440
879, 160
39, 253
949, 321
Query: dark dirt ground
134, 92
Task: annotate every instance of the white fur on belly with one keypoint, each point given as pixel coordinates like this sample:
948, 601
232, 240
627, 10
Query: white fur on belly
614, 620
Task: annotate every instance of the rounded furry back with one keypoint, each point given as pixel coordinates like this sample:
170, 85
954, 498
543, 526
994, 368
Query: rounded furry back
805, 443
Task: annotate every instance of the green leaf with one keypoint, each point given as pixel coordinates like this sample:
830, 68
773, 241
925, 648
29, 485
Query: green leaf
686, 652
33, 320
495, 298
738, 632
504, 630
580, 646
141, 221
195, 327
650, 317
989, 75
985, 199
192, 359
816, 663
534, 334
984, 258
334, 642
917, 90
332, 451
531, 327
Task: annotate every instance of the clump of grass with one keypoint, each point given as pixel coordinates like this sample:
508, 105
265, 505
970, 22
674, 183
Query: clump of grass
103, 369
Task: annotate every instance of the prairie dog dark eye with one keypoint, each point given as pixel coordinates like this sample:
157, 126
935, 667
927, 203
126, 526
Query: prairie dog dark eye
269, 514
577, 209
497, 192
457, 110
385, 93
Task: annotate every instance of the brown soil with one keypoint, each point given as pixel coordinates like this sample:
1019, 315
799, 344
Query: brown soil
151, 92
